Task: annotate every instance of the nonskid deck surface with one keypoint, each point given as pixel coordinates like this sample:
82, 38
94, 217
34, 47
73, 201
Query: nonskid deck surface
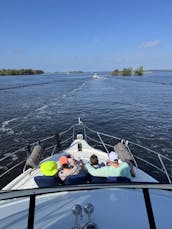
26, 179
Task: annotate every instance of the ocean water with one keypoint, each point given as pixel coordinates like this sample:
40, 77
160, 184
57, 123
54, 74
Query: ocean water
135, 108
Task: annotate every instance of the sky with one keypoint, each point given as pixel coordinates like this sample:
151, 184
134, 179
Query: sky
87, 35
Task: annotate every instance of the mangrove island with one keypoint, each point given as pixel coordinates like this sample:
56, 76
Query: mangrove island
5, 72
128, 72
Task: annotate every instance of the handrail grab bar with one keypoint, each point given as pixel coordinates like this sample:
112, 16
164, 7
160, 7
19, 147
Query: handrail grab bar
111, 136
4, 195
11, 168
149, 163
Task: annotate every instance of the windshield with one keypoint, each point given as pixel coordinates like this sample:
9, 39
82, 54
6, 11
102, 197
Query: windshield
107, 62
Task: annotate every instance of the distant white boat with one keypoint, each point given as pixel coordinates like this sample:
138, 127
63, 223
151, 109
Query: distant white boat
96, 76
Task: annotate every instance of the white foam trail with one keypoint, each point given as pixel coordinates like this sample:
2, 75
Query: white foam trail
72, 92
14, 157
42, 108
60, 99
6, 129
78, 89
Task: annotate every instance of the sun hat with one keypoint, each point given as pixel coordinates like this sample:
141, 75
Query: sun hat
49, 168
113, 156
63, 160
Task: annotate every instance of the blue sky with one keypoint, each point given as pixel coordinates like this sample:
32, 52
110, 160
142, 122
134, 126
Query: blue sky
89, 35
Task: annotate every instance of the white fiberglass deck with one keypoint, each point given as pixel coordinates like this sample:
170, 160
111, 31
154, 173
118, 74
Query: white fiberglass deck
26, 180
113, 208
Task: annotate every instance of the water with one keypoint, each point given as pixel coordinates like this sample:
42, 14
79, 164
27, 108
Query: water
134, 108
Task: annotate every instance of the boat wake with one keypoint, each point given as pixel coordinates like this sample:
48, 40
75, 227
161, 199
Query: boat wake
5, 128
71, 93
43, 111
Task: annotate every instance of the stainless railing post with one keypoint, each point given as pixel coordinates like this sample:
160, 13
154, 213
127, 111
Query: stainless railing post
85, 135
162, 163
73, 132
103, 143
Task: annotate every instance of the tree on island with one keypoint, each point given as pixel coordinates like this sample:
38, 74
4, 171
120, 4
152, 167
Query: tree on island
138, 71
115, 72
128, 72
5, 72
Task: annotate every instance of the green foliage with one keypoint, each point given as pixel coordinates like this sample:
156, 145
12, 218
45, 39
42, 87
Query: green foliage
116, 72
5, 72
126, 72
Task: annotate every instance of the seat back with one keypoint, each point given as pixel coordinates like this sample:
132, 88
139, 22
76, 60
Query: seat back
46, 181
100, 180
80, 178
117, 180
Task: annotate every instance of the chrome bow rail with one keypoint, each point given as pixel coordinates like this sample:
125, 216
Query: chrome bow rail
150, 161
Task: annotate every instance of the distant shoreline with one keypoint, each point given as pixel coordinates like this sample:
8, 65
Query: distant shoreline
20, 72
15, 72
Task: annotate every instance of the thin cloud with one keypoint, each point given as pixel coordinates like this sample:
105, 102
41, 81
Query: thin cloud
150, 44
